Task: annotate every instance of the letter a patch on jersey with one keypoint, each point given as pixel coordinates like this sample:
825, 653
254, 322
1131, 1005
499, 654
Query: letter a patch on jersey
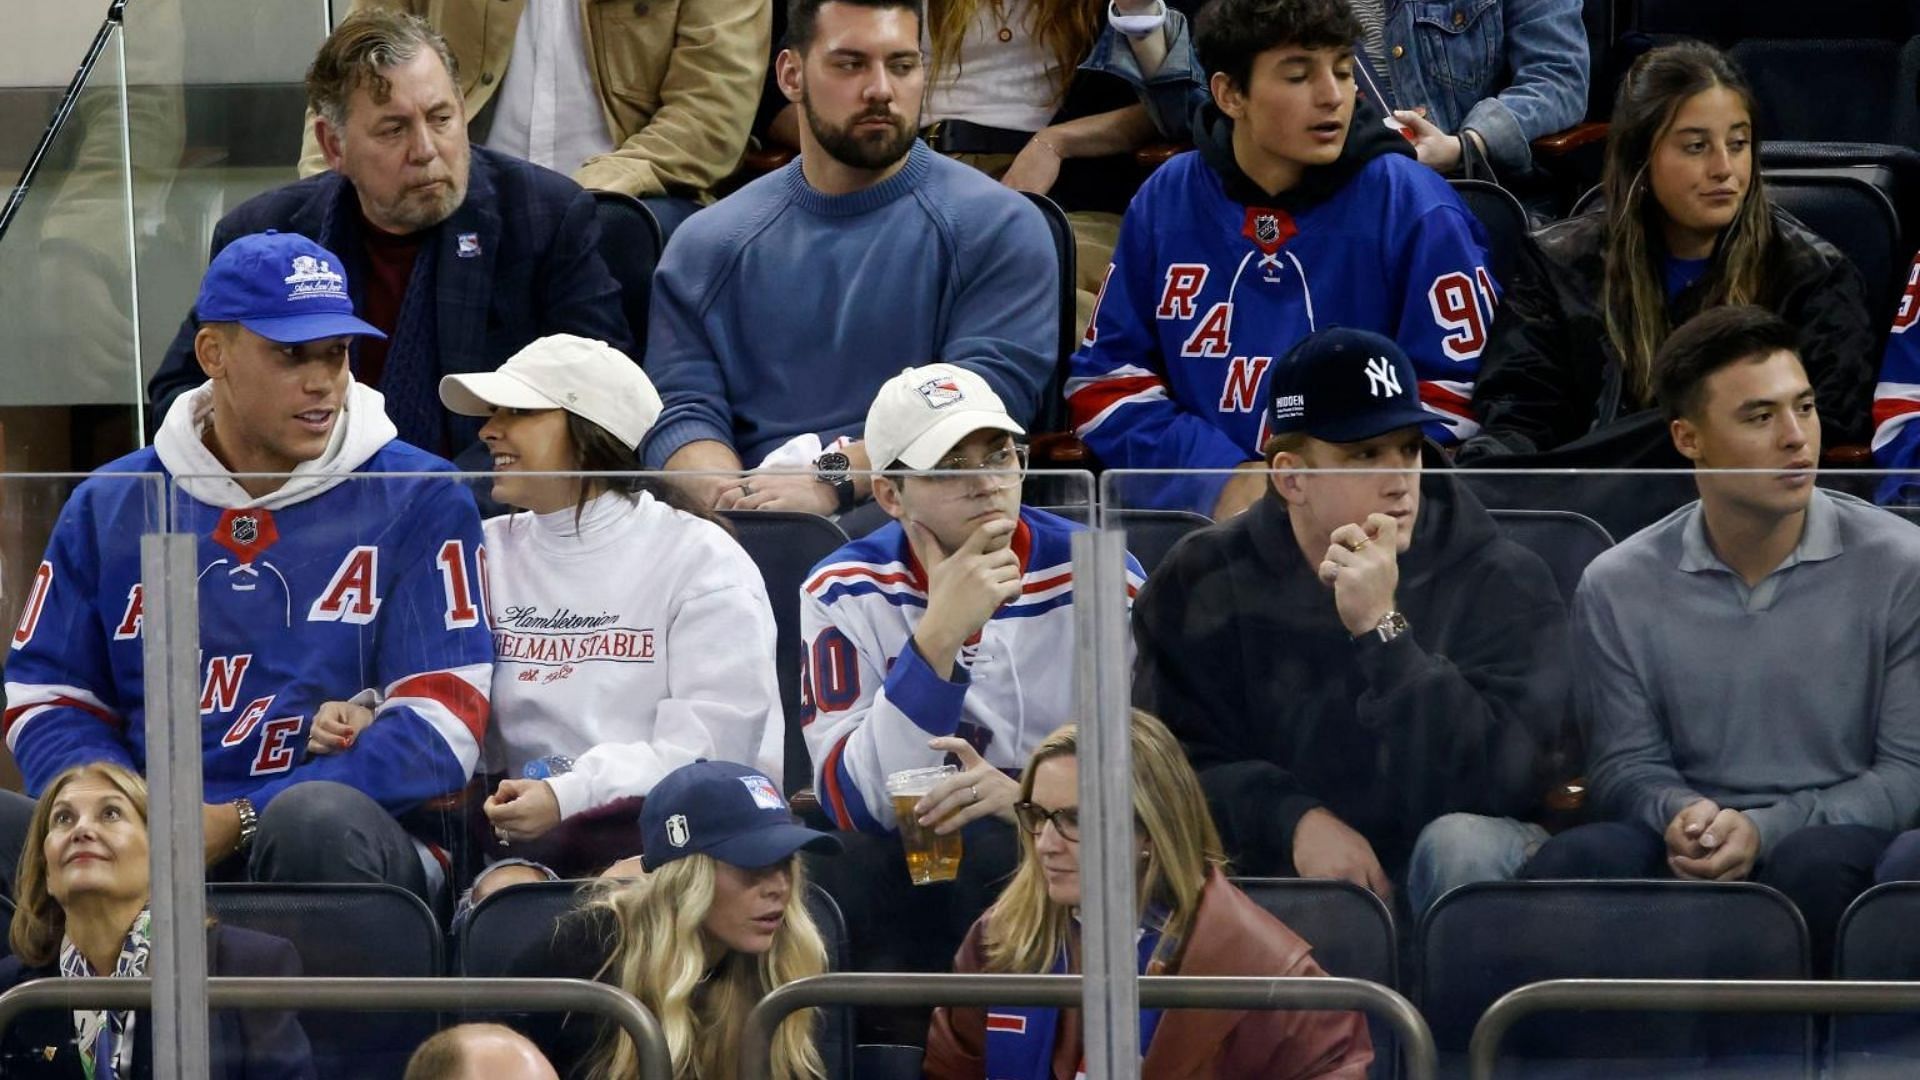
351, 596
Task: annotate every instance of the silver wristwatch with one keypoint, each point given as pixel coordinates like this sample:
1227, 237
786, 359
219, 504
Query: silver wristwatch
1390, 626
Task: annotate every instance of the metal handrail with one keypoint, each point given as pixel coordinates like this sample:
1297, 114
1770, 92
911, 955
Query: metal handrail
1063, 991
1680, 995
116, 12
367, 995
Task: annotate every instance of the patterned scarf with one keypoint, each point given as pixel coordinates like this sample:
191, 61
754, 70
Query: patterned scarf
115, 1029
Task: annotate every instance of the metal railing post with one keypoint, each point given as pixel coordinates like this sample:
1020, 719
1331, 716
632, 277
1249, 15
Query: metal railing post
368, 995
1680, 995
1063, 992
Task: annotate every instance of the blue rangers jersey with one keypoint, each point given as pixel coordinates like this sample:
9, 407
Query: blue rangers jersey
1212, 282
344, 581
1896, 400
871, 700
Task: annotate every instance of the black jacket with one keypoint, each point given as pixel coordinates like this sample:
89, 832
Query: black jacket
249, 1044
1281, 710
519, 259
1550, 375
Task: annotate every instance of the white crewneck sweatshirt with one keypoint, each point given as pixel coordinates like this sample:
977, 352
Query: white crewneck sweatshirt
638, 643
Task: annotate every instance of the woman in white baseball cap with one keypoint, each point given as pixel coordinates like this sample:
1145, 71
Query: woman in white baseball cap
633, 635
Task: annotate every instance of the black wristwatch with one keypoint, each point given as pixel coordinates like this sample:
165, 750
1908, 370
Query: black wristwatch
831, 469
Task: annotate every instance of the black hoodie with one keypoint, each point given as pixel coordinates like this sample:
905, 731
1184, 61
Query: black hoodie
1281, 710
1368, 137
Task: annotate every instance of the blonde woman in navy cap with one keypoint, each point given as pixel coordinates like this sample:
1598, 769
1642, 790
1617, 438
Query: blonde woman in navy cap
633, 634
715, 919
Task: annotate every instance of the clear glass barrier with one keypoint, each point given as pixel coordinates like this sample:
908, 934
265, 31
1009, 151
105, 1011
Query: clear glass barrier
217, 97
65, 275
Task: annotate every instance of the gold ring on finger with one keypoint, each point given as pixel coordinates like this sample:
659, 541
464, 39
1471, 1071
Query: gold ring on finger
1363, 542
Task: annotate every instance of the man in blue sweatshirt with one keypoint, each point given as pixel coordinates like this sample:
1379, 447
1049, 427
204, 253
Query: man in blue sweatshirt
779, 311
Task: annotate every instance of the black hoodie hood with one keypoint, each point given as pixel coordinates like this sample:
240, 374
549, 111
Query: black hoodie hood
1368, 137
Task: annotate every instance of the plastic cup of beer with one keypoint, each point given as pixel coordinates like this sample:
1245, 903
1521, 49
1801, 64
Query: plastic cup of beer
930, 856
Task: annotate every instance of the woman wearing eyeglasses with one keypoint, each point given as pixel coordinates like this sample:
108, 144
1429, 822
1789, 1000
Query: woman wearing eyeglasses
1192, 922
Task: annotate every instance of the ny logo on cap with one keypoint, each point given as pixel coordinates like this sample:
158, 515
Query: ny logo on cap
940, 393
1382, 380
677, 833
314, 277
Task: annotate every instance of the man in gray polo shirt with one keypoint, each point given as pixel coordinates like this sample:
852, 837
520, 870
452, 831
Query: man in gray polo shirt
1749, 669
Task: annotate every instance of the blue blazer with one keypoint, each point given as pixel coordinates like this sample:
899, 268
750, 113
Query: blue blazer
251, 1044
519, 259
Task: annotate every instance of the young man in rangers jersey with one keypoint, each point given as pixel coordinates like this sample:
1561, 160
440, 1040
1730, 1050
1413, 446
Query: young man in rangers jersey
1295, 213
330, 594
947, 632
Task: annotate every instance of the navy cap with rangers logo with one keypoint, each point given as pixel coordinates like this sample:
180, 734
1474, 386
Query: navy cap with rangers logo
282, 286
1342, 385
731, 812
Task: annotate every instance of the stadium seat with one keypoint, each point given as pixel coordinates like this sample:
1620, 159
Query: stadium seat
1480, 941
1052, 414
785, 545
1860, 72
1503, 218
494, 944
1876, 942
369, 931
1351, 932
885, 1061
1151, 534
633, 235
1566, 540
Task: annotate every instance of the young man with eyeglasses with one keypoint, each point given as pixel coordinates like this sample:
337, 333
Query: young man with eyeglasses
948, 631
945, 634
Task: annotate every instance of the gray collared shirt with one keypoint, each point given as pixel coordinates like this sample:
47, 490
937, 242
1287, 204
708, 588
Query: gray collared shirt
1796, 700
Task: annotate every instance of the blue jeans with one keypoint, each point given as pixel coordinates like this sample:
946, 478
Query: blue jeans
1458, 849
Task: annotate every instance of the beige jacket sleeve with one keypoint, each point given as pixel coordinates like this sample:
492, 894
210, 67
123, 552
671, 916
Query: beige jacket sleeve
706, 97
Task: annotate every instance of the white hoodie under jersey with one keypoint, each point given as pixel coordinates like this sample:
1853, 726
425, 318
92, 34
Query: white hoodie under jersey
639, 643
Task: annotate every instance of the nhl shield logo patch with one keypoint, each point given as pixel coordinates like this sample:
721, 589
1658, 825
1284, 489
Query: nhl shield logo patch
246, 530
940, 393
1268, 228
677, 833
246, 533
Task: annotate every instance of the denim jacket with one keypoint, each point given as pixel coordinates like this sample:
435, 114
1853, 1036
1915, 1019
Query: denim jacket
1452, 55
1169, 94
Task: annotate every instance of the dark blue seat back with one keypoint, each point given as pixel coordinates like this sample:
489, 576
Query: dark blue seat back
1151, 534
1565, 540
785, 545
1051, 415
1480, 941
1351, 932
364, 931
1877, 942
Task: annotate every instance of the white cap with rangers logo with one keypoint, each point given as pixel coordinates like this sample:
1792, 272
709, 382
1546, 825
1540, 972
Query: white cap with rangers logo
922, 413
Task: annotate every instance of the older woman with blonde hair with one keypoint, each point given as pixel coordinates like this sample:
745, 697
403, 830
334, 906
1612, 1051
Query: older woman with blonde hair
714, 918
1193, 921
82, 910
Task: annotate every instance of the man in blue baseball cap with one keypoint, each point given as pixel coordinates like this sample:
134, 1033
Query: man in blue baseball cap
1361, 659
333, 595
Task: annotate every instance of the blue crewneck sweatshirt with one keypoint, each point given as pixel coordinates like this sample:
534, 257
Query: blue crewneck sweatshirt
780, 310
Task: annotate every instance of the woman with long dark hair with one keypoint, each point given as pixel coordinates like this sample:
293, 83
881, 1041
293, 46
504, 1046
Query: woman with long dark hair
1687, 226
633, 633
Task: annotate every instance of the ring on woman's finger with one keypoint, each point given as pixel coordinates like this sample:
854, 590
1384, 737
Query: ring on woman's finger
746, 487
976, 792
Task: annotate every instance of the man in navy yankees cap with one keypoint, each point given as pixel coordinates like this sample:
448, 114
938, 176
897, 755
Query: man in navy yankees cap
1367, 675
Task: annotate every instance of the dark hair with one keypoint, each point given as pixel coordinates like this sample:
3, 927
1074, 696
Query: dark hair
1232, 32
360, 48
1711, 340
1633, 294
596, 451
804, 15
